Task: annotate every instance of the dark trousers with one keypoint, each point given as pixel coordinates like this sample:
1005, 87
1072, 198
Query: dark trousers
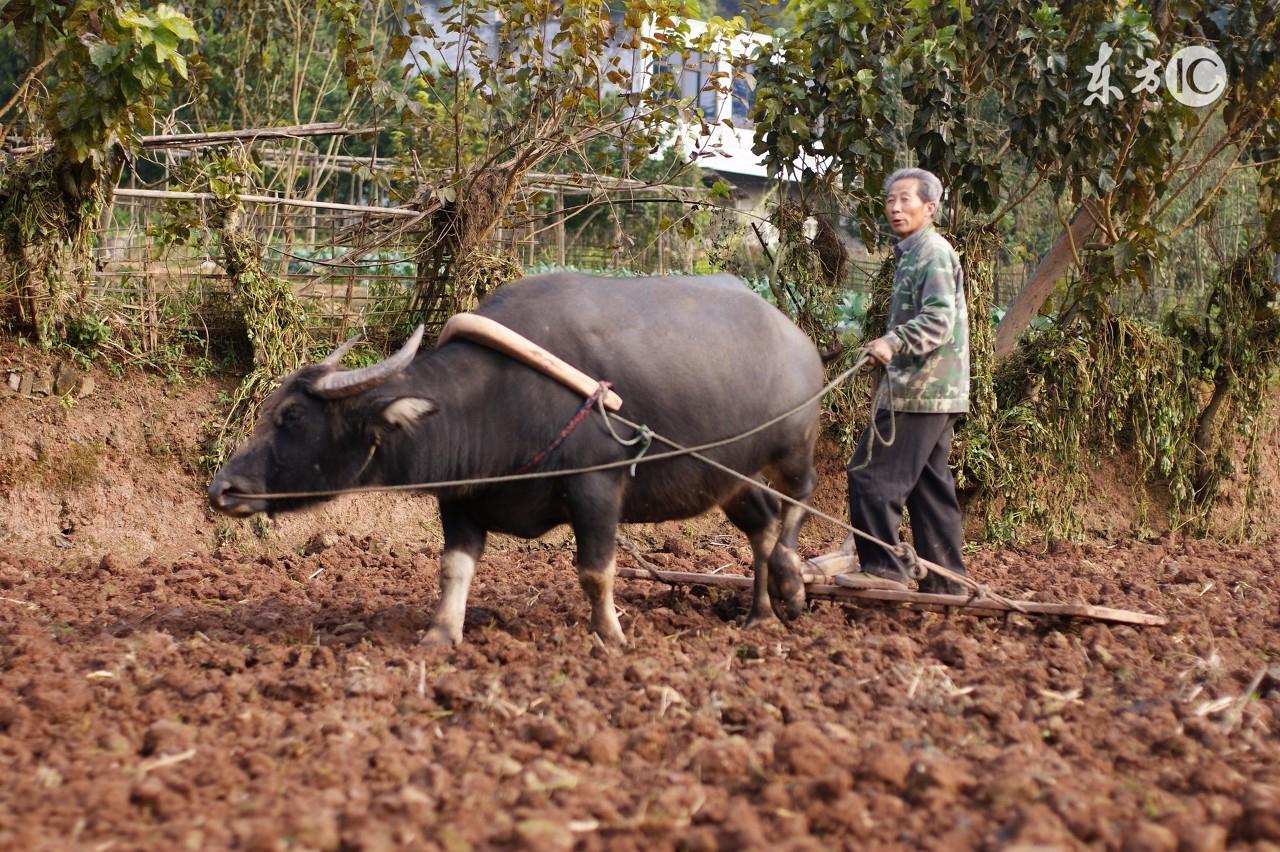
912, 472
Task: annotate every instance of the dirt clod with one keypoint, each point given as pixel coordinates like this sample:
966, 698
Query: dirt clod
887, 763
543, 834
604, 748
1203, 838
1151, 837
1262, 814
677, 546
166, 737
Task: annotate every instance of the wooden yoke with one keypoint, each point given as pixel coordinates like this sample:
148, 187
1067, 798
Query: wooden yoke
497, 336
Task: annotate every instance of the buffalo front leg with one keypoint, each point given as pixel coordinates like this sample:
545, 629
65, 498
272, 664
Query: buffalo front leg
463, 546
594, 507
597, 583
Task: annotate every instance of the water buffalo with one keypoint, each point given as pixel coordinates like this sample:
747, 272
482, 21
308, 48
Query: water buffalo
694, 358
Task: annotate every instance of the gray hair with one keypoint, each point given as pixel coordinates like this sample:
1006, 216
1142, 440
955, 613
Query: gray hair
927, 184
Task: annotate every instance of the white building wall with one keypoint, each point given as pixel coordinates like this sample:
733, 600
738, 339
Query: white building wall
727, 149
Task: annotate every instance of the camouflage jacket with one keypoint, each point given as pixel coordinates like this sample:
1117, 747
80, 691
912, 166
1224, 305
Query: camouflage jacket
928, 327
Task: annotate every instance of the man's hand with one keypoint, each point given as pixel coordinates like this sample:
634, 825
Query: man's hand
881, 349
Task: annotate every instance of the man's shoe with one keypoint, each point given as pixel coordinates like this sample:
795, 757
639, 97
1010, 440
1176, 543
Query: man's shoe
831, 564
842, 560
873, 578
936, 584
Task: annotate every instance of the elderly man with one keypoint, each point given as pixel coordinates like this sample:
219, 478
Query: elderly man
924, 391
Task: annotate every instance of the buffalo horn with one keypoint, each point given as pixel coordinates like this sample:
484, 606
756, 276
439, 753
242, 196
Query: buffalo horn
337, 385
335, 357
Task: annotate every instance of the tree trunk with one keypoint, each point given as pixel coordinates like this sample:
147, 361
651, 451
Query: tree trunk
1203, 439
1038, 289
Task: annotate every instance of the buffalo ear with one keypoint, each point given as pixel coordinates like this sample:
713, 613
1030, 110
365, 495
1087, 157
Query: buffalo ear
406, 411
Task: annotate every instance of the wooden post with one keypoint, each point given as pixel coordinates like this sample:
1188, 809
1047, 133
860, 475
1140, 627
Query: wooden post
662, 244
347, 318
560, 241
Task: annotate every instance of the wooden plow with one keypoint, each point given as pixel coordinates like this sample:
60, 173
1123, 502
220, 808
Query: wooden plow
817, 587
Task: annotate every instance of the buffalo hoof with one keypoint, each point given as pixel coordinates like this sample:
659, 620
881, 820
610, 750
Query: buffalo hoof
786, 585
442, 635
611, 634
790, 608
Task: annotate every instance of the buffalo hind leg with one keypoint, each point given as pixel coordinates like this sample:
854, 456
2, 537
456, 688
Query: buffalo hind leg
756, 513
796, 478
463, 545
595, 505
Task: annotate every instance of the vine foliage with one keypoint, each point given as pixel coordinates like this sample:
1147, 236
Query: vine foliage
1181, 403
104, 66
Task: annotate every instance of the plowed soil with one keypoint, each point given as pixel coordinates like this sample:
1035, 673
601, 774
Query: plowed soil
232, 701
171, 680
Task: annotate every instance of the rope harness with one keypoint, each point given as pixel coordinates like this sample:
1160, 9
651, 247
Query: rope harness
903, 553
596, 396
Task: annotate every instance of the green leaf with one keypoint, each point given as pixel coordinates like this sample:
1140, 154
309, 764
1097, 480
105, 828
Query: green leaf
1122, 254
129, 87
101, 54
176, 23
135, 20
166, 39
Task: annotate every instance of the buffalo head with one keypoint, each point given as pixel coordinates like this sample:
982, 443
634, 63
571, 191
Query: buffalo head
317, 432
